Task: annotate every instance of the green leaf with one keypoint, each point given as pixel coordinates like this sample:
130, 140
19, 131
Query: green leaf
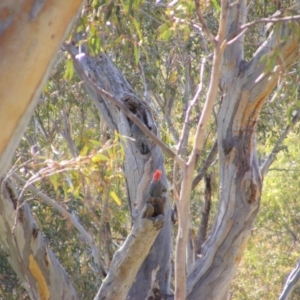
216, 5
115, 197
137, 28
136, 54
54, 180
99, 157
165, 36
69, 72
84, 150
94, 142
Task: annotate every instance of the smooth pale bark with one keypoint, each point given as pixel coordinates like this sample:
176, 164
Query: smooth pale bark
27, 251
183, 204
246, 87
291, 282
31, 33
154, 274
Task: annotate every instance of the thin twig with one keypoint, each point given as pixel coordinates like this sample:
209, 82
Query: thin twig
183, 205
192, 104
185, 128
272, 156
234, 36
270, 20
208, 162
203, 23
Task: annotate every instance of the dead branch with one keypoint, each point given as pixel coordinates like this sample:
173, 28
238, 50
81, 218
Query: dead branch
128, 259
272, 156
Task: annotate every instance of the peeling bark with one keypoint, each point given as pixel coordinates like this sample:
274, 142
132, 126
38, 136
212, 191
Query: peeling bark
128, 259
246, 90
30, 257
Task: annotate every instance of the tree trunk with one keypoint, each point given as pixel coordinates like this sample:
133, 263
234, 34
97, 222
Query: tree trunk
27, 251
246, 87
31, 33
154, 273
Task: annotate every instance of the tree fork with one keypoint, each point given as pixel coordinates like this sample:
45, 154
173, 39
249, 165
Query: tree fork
110, 86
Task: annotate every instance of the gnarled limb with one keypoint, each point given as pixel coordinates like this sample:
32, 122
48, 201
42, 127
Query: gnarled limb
117, 102
28, 254
128, 259
240, 177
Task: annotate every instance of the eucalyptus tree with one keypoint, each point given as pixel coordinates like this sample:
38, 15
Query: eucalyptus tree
142, 267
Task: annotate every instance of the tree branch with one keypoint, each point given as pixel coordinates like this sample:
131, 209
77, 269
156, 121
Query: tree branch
183, 205
201, 237
184, 133
209, 160
84, 235
120, 105
203, 23
272, 156
43, 30
128, 259
28, 253
240, 31
291, 282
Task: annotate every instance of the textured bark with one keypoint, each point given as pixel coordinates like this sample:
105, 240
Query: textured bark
30, 35
205, 214
246, 87
27, 252
138, 168
128, 259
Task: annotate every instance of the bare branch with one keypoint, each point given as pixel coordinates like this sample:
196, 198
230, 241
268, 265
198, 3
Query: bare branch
213, 87
188, 112
272, 156
29, 255
67, 134
203, 23
209, 160
291, 282
128, 259
271, 20
17, 104
234, 36
184, 133
142, 185
183, 205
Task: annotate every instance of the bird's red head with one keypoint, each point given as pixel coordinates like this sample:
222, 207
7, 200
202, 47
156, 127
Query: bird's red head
157, 175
